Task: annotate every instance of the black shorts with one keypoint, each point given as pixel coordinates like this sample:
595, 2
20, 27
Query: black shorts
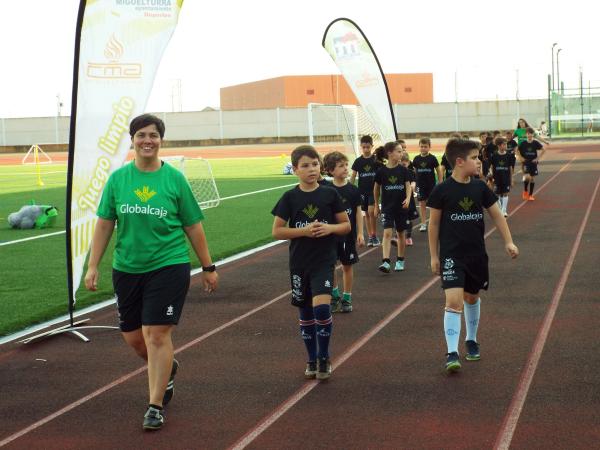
399, 220
413, 214
308, 283
151, 298
423, 193
366, 199
468, 272
530, 168
346, 250
502, 189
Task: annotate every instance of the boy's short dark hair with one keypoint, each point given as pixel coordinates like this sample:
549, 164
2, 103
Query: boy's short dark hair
529, 130
366, 139
459, 148
401, 141
305, 150
425, 141
330, 160
500, 141
139, 122
455, 136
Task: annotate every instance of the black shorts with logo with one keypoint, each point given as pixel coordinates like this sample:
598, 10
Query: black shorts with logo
151, 298
530, 168
366, 199
423, 192
310, 282
399, 220
468, 272
346, 250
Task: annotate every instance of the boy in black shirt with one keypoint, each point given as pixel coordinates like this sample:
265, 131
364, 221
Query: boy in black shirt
502, 171
365, 167
392, 186
336, 164
528, 154
456, 242
310, 216
427, 166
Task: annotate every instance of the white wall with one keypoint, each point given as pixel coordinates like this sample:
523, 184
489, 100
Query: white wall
264, 123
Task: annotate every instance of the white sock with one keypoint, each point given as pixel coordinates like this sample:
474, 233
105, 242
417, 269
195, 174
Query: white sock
452, 323
505, 204
472, 313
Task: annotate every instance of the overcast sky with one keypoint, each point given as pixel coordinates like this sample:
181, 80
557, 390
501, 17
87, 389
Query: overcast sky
488, 44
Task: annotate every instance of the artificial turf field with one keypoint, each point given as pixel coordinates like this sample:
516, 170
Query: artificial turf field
241, 380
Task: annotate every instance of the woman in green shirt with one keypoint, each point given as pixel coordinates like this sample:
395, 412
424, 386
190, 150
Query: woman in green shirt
521, 132
155, 209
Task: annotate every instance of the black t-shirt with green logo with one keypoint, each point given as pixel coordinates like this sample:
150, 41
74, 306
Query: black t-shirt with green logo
425, 167
528, 150
501, 164
393, 187
351, 200
447, 168
299, 209
366, 168
461, 225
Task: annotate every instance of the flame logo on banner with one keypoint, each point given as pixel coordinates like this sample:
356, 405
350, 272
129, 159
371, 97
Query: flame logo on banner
113, 50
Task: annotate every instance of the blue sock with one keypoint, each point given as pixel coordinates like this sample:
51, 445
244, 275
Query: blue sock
472, 319
308, 331
452, 322
324, 326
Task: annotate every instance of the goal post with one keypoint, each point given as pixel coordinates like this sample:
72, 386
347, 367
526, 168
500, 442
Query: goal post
335, 124
36, 156
199, 174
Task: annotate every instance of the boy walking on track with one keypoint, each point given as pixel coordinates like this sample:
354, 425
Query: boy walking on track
528, 154
365, 167
457, 246
336, 164
311, 216
427, 166
502, 171
392, 187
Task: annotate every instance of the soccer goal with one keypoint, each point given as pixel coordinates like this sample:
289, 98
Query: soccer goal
340, 125
199, 174
36, 156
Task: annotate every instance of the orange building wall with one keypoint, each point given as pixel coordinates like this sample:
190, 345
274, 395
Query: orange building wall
298, 91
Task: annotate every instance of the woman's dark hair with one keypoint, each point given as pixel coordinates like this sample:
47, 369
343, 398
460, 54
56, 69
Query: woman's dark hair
143, 121
519, 123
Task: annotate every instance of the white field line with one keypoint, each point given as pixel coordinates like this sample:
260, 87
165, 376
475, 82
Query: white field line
222, 198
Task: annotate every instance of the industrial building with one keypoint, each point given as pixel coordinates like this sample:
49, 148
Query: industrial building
298, 91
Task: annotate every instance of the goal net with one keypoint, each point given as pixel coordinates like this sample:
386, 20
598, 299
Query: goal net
200, 177
341, 126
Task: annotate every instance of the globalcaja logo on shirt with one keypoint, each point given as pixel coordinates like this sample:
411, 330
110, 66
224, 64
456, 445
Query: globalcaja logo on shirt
145, 194
310, 210
466, 204
367, 172
393, 186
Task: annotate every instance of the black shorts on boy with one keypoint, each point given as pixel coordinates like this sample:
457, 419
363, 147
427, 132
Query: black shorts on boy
530, 168
502, 189
310, 282
366, 199
151, 298
346, 250
423, 192
398, 220
468, 272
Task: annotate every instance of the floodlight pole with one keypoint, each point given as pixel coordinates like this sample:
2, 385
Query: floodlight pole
558, 71
553, 45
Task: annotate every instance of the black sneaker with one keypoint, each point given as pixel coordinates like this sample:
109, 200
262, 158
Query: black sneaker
171, 384
153, 419
472, 351
324, 369
452, 362
311, 370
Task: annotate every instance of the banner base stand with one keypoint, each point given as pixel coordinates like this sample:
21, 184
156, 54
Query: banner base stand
73, 328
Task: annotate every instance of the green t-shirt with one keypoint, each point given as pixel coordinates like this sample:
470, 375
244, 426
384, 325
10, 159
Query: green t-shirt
150, 209
521, 134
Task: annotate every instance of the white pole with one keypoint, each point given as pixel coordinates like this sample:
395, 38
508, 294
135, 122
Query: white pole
517, 93
356, 136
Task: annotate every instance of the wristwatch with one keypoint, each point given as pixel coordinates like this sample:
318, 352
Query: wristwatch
209, 268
